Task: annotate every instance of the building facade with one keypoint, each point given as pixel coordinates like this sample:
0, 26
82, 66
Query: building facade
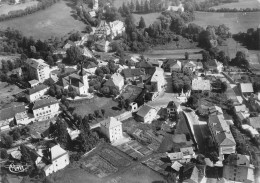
112, 128
36, 92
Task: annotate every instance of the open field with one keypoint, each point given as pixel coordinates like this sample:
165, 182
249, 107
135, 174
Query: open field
148, 18
6, 8
241, 4
96, 104
6, 92
53, 21
237, 22
119, 3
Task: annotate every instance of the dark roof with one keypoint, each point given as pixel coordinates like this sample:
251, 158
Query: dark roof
36, 89
212, 63
144, 64
44, 102
144, 110
173, 104
10, 112
132, 72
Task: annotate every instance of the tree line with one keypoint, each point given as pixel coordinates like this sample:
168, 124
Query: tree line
250, 38
43, 4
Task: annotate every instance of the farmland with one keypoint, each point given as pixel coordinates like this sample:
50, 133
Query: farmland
56, 20
6, 8
237, 22
241, 4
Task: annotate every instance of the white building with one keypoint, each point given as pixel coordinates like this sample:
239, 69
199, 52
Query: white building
36, 92
146, 114
45, 109
59, 159
38, 69
117, 28
112, 128
172, 107
158, 80
116, 80
176, 8
78, 81
221, 134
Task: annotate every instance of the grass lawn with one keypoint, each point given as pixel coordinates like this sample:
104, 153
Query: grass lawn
56, 20
241, 4
6, 92
237, 22
96, 104
6, 8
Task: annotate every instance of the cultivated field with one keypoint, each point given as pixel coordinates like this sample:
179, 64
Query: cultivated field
53, 21
237, 22
6, 8
241, 4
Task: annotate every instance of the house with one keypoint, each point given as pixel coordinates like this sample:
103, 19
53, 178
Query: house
68, 45
38, 69
116, 80
117, 28
102, 30
86, 52
45, 109
253, 132
191, 174
190, 65
201, 85
16, 112
237, 168
155, 62
78, 81
59, 159
172, 107
172, 66
246, 89
146, 66
215, 110
215, 66
132, 74
146, 114
112, 128
176, 166
176, 156
176, 8
241, 108
91, 68
36, 92
221, 134
102, 45
187, 152
255, 122
34, 83
157, 80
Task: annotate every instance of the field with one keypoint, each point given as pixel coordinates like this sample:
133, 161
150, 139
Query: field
96, 104
53, 21
237, 22
6, 92
6, 8
148, 18
241, 4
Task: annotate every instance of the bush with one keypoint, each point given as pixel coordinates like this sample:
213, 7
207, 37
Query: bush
4, 154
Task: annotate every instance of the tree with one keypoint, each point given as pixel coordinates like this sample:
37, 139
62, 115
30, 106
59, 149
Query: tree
105, 90
192, 101
137, 5
205, 56
223, 87
142, 23
103, 112
75, 37
171, 178
73, 55
3, 153
187, 56
26, 157
6, 140
111, 14
146, 7
16, 134
50, 60
62, 132
52, 91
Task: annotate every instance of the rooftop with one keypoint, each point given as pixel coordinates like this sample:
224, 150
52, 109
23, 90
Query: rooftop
143, 111
110, 122
56, 152
36, 62
44, 102
10, 112
201, 85
246, 88
255, 122
36, 89
132, 72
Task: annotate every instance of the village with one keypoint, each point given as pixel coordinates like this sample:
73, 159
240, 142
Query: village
105, 111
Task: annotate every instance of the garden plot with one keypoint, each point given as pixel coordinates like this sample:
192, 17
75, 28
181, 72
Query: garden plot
98, 166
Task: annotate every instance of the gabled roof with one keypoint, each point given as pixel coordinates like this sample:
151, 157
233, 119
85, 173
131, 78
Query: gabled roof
44, 102
117, 78
241, 108
56, 152
255, 122
36, 89
173, 104
34, 81
158, 75
35, 63
220, 130
215, 110
132, 72
190, 64
201, 85
173, 63
10, 112
238, 160
110, 122
246, 88
144, 110
144, 64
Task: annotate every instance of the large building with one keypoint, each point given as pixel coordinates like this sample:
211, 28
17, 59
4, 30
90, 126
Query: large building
221, 134
36, 92
38, 69
58, 158
78, 81
45, 109
146, 114
112, 128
